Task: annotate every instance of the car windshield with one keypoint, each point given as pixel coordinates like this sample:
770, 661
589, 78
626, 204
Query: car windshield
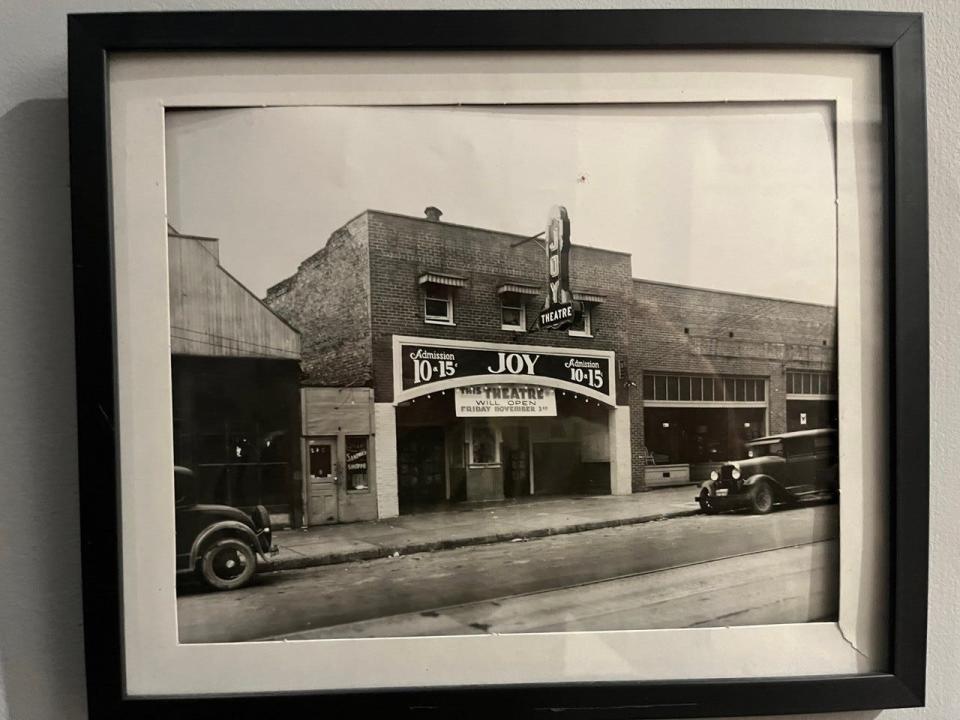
767, 448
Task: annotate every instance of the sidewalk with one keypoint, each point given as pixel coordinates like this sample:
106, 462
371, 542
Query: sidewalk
476, 524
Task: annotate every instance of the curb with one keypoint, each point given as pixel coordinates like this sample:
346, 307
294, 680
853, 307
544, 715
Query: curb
306, 561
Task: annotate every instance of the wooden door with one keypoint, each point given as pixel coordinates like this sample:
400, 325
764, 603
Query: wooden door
323, 481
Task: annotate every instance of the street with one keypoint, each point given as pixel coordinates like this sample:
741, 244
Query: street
695, 571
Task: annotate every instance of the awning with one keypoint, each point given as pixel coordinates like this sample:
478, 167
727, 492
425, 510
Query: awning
589, 297
437, 279
518, 289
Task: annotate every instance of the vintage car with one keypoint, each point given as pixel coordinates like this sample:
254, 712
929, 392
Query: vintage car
219, 544
778, 469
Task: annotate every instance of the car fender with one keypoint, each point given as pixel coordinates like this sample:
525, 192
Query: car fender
230, 527
754, 479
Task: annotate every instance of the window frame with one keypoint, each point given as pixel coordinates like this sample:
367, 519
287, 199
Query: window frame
346, 464
521, 305
586, 312
429, 293
497, 440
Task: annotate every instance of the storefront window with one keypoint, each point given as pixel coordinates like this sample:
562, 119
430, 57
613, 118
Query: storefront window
483, 446
673, 391
707, 389
357, 463
729, 390
741, 390
660, 384
241, 448
810, 383
648, 392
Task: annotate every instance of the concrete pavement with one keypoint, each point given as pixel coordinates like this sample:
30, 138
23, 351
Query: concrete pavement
547, 581
796, 584
475, 524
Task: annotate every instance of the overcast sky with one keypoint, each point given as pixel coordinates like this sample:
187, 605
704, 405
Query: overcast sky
737, 197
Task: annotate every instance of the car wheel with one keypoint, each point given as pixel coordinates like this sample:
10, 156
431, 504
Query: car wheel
228, 564
704, 500
761, 498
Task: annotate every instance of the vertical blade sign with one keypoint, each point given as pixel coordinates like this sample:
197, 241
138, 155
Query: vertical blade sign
558, 311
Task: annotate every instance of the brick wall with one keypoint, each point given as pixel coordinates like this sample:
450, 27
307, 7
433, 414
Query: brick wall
403, 248
328, 301
691, 330
352, 296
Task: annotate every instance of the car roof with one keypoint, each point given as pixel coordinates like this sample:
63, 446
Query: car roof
797, 434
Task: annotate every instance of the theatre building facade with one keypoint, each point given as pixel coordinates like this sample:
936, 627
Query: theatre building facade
427, 380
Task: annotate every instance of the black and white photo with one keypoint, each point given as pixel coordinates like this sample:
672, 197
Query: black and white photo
501, 369
514, 369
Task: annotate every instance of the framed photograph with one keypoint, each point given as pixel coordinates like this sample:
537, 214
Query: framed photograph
458, 362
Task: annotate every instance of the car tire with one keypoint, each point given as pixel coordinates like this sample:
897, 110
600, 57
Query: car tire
227, 564
704, 500
761, 498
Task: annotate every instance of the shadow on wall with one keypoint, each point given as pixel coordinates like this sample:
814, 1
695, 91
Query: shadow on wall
41, 667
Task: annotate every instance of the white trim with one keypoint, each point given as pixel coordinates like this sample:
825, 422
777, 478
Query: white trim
437, 319
522, 326
156, 664
705, 404
766, 399
444, 385
506, 347
530, 463
801, 396
385, 448
446, 464
620, 450
400, 395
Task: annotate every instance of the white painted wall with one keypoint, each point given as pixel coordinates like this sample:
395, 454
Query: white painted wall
385, 449
41, 656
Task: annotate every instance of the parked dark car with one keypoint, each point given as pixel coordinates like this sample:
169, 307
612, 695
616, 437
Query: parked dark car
218, 543
778, 469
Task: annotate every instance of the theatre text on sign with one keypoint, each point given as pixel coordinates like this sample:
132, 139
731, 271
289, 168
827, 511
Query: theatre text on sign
505, 400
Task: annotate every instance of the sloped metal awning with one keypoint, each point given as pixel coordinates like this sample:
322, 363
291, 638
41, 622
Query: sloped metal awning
589, 297
438, 279
518, 289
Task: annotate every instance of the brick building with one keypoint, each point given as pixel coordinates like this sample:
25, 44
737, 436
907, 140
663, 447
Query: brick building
719, 368
427, 380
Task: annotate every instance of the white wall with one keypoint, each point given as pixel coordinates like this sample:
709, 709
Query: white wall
41, 660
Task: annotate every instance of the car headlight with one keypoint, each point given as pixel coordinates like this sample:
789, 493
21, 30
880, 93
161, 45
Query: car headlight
735, 474
714, 475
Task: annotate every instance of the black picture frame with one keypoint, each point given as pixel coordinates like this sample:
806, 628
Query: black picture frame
898, 37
